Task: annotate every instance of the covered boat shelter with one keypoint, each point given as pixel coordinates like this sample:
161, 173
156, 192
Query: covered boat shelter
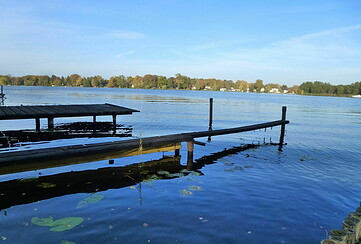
50, 112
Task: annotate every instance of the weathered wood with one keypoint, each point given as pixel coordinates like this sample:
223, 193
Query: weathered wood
88, 149
210, 113
283, 128
210, 117
46, 111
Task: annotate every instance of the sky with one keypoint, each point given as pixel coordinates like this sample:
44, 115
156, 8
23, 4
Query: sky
278, 41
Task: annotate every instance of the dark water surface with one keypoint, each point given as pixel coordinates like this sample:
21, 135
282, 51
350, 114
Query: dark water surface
259, 195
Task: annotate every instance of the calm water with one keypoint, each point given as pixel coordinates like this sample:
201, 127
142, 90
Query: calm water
259, 195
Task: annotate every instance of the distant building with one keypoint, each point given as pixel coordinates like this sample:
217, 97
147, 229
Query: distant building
274, 90
223, 89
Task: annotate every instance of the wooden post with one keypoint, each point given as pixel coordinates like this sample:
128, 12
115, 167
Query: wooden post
210, 116
37, 124
114, 123
283, 127
50, 123
210, 113
94, 118
190, 149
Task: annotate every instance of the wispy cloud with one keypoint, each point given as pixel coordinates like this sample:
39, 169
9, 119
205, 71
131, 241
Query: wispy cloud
328, 55
123, 54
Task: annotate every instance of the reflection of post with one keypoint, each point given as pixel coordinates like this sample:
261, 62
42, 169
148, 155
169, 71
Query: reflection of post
210, 116
190, 148
50, 123
114, 123
94, 121
37, 124
283, 127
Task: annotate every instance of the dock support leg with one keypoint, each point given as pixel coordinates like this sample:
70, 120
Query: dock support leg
190, 149
176, 153
114, 124
94, 118
283, 128
210, 116
50, 123
37, 124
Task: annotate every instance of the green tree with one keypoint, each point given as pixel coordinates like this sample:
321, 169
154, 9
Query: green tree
258, 85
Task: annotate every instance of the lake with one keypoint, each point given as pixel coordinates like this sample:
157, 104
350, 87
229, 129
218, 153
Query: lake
254, 195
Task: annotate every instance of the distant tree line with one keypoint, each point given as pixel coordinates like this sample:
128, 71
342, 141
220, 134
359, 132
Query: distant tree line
181, 82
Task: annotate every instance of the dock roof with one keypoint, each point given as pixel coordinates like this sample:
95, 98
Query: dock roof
54, 111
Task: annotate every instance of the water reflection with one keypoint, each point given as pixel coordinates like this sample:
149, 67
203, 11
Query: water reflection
29, 190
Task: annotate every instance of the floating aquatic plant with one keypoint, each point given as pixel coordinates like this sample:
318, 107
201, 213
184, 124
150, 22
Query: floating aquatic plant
94, 198
66, 223
43, 221
58, 225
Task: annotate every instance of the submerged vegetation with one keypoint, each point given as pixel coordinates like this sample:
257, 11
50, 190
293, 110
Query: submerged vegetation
182, 82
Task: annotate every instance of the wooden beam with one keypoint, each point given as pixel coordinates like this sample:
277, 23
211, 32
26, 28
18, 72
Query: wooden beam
133, 144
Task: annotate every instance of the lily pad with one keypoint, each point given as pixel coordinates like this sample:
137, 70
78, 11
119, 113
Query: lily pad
66, 223
94, 198
58, 225
43, 221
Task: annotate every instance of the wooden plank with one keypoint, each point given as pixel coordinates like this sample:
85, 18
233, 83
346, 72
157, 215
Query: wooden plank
2, 111
44, 111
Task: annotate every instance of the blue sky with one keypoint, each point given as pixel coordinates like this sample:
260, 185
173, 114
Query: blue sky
281, 41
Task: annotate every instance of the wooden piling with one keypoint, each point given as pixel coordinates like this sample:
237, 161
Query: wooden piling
210, 116
114, 123
50, 123
210, 113
176, 153
283, 128
37, 124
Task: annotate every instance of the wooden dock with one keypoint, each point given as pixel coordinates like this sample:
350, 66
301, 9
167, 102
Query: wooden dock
50, 112
137, 145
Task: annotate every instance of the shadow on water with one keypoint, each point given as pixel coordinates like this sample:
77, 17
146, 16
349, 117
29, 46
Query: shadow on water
29, 190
